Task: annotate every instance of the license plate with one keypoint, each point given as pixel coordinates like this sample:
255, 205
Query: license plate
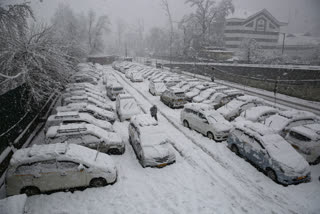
300, 178
162, 165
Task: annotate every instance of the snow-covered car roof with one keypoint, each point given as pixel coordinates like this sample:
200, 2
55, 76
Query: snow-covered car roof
232, 92
125, 96
279, 149
231, 106
198, 106
248, 98
176, 90
311, 131
297, 114
62, 151
143, 120
255, 112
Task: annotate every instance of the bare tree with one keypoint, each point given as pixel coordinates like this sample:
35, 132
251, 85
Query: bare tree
121, 28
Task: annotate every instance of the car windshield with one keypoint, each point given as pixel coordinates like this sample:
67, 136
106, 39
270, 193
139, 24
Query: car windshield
179, 94
117, 89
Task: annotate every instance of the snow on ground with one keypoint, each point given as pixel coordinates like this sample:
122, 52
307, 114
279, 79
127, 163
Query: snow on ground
206, 178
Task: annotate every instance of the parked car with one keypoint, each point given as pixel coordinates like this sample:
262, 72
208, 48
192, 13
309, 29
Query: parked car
93, 110
257, 114
44, 168
270, 152
306, 140
106, 107
234, 108
195, 91
114, 90
204, 95
76, 117
99, 97
102, 103
204, 119
173, 97
136, 77
150, 143
157, 87
126, 107
225, 97
87, 135
284, 120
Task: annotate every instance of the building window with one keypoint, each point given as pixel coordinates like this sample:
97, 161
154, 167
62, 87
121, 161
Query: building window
249, 25
261, 25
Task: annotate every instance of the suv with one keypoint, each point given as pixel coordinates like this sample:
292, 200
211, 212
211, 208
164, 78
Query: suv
173, 97
204, 119
150, 144
270, 152
44, 168
87, 135
126, 107
306, 140
76, 117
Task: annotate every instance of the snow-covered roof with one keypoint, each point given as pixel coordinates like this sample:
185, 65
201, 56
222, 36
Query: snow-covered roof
198, 106
312, 131
143, 120
176, 90
255, 112
296, 114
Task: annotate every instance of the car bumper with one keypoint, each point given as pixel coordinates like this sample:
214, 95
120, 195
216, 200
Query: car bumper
288, 180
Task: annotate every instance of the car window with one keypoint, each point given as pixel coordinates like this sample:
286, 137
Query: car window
255, 144
299, 136
202, 116
90, 138
67, 165
300, 123
37, 167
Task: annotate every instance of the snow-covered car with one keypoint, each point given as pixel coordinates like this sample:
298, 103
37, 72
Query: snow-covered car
195, 91
114, 89
285, 120
270, 152
126, 107
225, 97
86, 135
84, 84
150, 143
93, 110
306, 140
86, 99
234, 108
99, 97
76, 117
84, 79
45, 168
85, 88
157, 87
136, 77
204, 95
173, 97
257, 114
204, 119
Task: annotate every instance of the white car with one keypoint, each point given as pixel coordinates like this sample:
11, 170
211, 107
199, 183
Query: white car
257, 114
157, 87
64, 96
203, 95
114, 89
285, 120
76, 117
306, 140
234, 108
45, 168
204, 119
195, 91
150, 143
87, 99
86, 135
126, 107
136, 77
93, 110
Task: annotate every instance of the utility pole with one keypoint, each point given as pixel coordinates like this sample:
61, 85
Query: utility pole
284, 37
126, 51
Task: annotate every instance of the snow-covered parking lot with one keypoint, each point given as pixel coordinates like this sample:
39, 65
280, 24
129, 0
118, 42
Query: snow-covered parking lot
206, 178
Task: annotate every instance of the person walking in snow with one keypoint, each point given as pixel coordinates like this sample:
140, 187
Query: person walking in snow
153, 112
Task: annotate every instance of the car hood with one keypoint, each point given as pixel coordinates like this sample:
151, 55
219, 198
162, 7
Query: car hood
292, 163
154, 152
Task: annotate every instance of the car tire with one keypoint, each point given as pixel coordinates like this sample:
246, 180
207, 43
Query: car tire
98, 182
186, 124
30, 190
210, 135
272, 175
235, 149
317, 161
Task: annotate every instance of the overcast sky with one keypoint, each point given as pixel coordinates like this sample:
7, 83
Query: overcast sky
299, 13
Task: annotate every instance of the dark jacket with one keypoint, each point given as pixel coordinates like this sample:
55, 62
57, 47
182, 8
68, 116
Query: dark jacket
153, 110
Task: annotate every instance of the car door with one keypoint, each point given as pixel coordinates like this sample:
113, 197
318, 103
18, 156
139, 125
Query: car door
71, 174
202, 124
246, 145
258, 154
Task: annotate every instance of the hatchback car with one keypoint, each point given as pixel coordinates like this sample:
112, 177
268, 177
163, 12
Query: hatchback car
93, 110
157, 87
126, 107
306, 140
76, 117
86, 135
150, 143
173, 97
270, 152
204, 119
45, 168
284, 120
